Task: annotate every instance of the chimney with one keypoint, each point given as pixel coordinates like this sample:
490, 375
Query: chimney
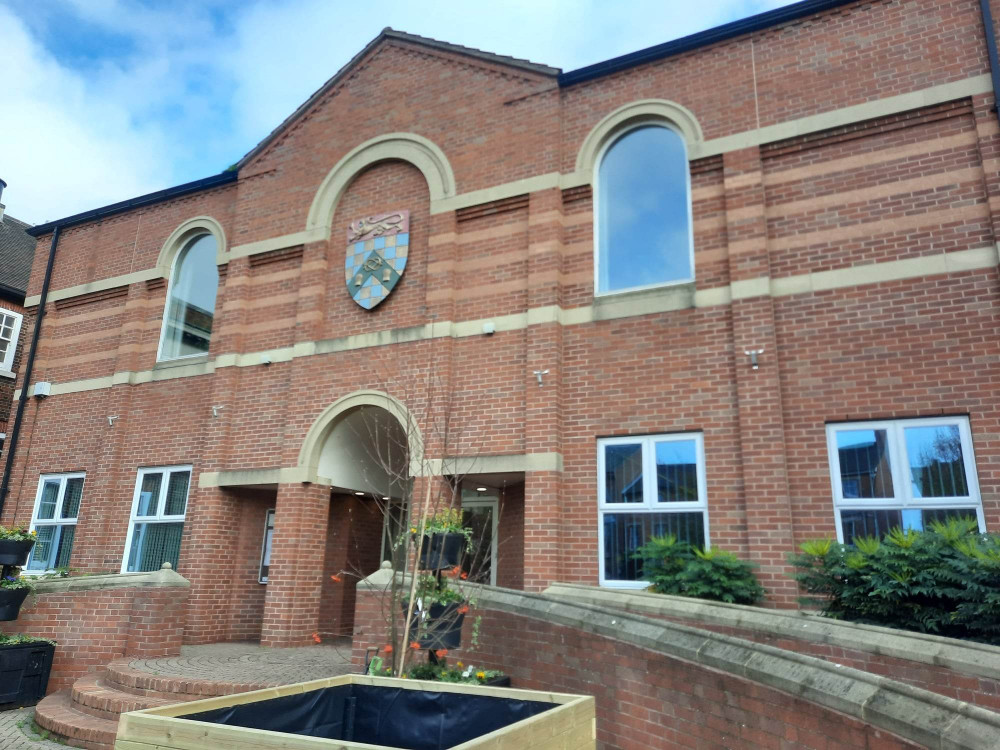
2, 186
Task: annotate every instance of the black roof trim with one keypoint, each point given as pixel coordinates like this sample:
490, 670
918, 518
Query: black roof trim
701, 39
205, 183
12, 294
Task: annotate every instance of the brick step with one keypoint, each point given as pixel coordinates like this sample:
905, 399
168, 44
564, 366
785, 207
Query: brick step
120, 676
93, 695
56, 714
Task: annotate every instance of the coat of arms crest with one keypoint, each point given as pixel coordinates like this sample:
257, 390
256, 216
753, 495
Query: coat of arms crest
377, 248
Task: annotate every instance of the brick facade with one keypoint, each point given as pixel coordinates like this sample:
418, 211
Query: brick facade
844, 200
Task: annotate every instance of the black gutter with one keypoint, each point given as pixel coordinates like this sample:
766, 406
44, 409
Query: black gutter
205, 183
16, 431
703, 38
12, 293
991, 48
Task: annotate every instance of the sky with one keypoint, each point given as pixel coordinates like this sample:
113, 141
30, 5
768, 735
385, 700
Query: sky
104, 100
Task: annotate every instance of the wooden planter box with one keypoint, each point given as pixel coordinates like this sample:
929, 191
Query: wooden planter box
377, 712
24, 673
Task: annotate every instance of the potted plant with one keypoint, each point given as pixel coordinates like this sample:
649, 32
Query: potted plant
437, 615
25, 663
15, 545
444, 540
14, 589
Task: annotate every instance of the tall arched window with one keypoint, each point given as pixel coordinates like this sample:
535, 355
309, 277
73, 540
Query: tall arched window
194, 281
644, 211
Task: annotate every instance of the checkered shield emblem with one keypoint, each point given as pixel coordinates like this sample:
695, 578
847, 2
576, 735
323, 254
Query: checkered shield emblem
377, 248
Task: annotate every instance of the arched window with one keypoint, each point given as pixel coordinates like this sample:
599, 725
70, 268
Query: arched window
194, 281
644, 211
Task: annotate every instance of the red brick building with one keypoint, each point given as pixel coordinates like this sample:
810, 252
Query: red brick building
742, 287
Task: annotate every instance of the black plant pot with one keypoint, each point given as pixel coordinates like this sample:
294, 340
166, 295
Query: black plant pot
501, 681
15, 553
10, 603
441, 628
440, 551
24, 673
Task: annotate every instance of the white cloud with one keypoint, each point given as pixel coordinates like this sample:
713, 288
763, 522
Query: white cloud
197, 83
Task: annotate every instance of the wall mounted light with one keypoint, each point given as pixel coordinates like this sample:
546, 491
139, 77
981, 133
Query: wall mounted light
754, 354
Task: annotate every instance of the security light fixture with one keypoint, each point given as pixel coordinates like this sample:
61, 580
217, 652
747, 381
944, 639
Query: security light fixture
359, 493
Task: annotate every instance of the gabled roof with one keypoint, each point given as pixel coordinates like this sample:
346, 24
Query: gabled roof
17, 249
389, 33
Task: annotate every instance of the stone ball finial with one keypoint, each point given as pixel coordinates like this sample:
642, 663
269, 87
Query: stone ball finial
166, 566
386, 565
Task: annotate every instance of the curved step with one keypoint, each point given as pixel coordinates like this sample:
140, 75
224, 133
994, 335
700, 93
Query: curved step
93, 695
56, 714
120, 676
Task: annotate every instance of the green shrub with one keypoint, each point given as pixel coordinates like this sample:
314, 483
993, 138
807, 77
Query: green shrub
945, 580
679, 569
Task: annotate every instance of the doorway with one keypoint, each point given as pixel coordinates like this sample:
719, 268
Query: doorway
480, 512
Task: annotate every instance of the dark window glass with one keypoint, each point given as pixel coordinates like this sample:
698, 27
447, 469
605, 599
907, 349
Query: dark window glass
623, 473
624, 533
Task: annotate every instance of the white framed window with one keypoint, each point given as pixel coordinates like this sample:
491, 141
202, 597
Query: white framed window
903, 472
57, 506
190, 309
643, 228
265, 551
10, 328
157, 520
648, 486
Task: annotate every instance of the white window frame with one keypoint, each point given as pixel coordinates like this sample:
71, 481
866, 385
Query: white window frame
185, 243
898, 464
160, 503
266, 546
596, 182
649, 502
56, 519
7, 363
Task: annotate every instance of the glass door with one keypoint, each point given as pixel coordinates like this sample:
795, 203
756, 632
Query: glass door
479, 512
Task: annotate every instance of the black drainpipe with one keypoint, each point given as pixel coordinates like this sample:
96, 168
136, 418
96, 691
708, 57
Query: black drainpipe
991, 48
15, 432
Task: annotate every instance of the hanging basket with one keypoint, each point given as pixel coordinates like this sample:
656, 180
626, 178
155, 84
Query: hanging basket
439, 627
10, 603
15, 553
441, 550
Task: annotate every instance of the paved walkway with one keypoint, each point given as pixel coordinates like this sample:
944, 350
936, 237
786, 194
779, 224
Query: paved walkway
246, 662
16, 734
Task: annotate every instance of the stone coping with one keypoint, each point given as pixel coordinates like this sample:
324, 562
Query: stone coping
932, 720
966, 657
163, 578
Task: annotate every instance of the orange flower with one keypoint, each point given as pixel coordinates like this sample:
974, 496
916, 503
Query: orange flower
441, 653
464, 609
464, 576
387, 648
316, 638
453, 572
336, 579
415, 646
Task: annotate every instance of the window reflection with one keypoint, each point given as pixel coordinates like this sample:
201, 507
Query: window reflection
191, 305
677, 471
623, 473
644, 217
937, 467
864, 463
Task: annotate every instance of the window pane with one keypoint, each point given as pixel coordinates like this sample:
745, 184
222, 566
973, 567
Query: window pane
149, 494
624, 533
42, 551
876, 523
64, 547
191, 307
50, 494
623, 473
944, 514
864, 463
643, 215
677, 471
177, 490
937, 467
71, 500
154, 544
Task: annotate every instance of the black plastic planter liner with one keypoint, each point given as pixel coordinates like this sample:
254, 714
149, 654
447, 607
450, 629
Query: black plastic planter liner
439, 551
15, 553
24, 673
10, 604
442, 628
378, 715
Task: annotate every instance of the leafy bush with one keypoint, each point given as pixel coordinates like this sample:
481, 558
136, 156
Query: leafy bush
679, 569
945, 580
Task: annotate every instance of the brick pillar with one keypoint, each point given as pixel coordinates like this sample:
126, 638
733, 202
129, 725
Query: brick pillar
761, 424
294, 588
542, 518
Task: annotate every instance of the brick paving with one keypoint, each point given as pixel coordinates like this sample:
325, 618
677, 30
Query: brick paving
15, 732
248, 662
